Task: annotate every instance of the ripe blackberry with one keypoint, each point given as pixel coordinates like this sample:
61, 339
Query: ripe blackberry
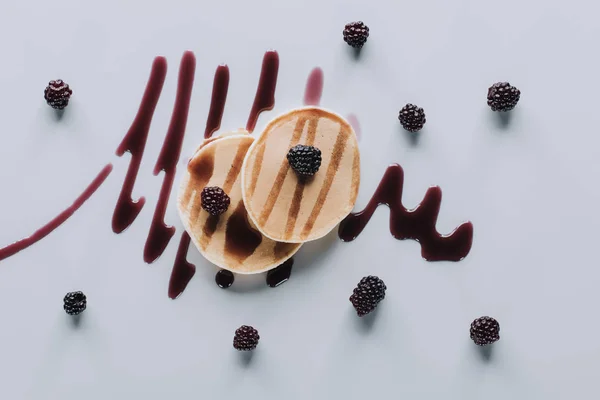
367, 294
75, 303
356, 34
57, 94
214, 200
412, 118
502, 96
305, 160
485, 330
246, 338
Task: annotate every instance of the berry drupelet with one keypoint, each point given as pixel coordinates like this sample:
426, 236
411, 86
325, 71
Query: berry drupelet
246, 338
57, 94
75, 303
304, 160
214, 200
367, 294
412, 118
485, 330
502, 96
356, 34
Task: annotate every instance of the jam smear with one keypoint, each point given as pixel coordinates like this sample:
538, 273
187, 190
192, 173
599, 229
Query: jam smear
241, 239
160, 234
57, 221
224, 278
127, 210
281, 274
183, 271
417, 224
217, 101
314, 87
265, 92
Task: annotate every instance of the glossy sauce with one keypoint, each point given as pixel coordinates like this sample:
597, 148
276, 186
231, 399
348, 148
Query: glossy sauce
314, 87
281, 274
265, 92
241, 239
57, 221
160, 233
218, 100
417, 224
126, 209
183, 271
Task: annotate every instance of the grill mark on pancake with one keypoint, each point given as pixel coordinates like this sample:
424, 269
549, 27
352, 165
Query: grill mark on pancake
200, 170
210, 226
283, 170
336, 158
355, 170
280, 249
236, 165
241, 239
260, 155
299, 191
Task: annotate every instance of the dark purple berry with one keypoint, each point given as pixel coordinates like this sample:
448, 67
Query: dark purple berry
75, 303
485, 330
356, 34
246, 338
304, 160
57, 94
367, 294
502, 96
412, 118
214, 200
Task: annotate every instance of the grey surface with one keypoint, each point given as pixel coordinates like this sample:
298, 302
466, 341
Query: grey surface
528, 186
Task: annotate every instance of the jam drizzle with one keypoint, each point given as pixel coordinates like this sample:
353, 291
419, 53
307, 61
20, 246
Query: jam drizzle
126, 209
417, 224
57, 221
314, 87
183, 271
160, 234
217, 101
265, 92
281, 274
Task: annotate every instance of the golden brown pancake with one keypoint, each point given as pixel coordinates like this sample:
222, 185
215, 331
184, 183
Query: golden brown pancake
230, 241
283, 207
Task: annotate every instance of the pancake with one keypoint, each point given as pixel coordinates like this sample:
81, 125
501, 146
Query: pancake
283, 207
229, 241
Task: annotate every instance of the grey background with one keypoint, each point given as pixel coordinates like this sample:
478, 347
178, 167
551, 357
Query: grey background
528, 186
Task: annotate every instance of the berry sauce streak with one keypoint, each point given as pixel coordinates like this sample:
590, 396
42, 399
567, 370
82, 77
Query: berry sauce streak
281, 274
314, 87
57, 221
417, 224
217, 101
265, 92
160, 234
183, 271
224, 278
127, 210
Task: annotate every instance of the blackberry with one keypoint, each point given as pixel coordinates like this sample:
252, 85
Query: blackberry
246, 338
367, 294
214, 200
485, 330
412, 118
57, 94
356, 34
502, 96
304, 160
75, 303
